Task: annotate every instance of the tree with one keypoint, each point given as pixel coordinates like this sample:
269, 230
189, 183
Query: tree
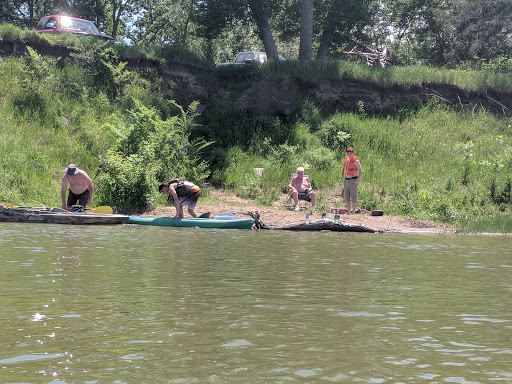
118, 9
342, 22
261, 19
9, 11
410, 28
163, 22
477, 29
306, 30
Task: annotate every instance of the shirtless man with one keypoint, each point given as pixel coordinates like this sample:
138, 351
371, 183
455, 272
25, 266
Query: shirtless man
301, 189
80, 187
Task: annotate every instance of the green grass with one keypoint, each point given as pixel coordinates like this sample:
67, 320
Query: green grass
438, 164
337, 69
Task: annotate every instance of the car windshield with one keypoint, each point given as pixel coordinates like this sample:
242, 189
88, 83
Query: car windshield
80, 25
241, 57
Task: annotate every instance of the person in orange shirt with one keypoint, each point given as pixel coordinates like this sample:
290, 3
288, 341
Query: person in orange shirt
352, 172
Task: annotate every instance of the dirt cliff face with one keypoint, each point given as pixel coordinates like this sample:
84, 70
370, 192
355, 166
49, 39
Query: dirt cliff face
270, 97
346, 94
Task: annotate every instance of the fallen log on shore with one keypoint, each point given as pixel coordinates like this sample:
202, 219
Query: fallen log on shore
325, 225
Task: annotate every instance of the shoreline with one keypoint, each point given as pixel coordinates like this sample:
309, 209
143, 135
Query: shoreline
280, 216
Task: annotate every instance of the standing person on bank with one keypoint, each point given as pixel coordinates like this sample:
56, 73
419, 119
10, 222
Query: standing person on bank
80, 187
352, 172
184, 193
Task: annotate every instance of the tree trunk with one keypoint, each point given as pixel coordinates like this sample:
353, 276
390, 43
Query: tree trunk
185, 27
306, 30
264, 28
117, 10
30, 13
330, 27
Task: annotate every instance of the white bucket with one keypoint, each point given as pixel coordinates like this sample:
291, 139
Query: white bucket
258, 172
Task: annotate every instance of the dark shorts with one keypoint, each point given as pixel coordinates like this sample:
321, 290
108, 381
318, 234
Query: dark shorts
304, 195
190, 200
81, 198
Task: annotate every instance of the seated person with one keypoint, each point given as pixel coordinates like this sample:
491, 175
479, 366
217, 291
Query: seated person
301, 189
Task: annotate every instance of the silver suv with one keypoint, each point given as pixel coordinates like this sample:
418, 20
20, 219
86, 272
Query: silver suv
245, 58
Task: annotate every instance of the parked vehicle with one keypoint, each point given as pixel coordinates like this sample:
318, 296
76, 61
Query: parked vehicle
246, 58
58, 24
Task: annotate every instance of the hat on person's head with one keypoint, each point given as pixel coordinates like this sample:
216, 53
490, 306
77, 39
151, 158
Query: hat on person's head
71, 170
350, 149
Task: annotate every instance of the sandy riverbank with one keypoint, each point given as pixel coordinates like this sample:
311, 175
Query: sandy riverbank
281, 215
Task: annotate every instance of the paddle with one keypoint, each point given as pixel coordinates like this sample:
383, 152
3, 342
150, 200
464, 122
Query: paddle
225, 216
103, 209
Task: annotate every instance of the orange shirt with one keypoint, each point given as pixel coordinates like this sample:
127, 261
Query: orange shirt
349, 167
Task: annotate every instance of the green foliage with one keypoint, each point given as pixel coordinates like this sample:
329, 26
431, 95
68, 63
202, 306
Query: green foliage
434, 162
150, 149
102, 62
36, 79
466, 150
10, 32
476, 79
332, 134
499, 64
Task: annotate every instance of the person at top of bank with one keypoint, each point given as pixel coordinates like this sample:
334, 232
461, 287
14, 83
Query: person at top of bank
81, 188
301, 189
352, 171
184, 193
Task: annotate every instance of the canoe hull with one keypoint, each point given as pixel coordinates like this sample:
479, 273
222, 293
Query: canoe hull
15, 215
245, 223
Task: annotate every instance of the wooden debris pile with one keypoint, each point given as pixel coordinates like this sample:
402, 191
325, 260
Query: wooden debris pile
327, 225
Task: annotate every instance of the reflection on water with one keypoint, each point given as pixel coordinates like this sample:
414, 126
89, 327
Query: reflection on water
164, 305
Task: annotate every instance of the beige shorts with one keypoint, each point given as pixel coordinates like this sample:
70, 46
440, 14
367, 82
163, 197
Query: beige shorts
350, 190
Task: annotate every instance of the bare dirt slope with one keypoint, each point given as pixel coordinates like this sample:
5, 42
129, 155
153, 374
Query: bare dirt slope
281, 215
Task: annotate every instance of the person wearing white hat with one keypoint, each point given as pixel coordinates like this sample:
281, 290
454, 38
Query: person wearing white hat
80, 187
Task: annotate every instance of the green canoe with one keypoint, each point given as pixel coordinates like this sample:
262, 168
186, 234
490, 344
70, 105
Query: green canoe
245, 223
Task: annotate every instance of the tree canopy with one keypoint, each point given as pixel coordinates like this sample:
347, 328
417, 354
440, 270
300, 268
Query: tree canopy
434, 32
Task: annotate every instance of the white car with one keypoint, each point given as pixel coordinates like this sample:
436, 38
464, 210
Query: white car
245, 58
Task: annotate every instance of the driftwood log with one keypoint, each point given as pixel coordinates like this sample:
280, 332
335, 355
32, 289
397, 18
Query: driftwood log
326, 225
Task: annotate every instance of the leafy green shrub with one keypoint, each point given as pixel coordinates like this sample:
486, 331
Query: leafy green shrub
319, 158
150, 150
332, 135
35, 95
10, 32
100, 59
127, 183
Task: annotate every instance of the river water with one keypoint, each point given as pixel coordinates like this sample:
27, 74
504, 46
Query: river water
133, 304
